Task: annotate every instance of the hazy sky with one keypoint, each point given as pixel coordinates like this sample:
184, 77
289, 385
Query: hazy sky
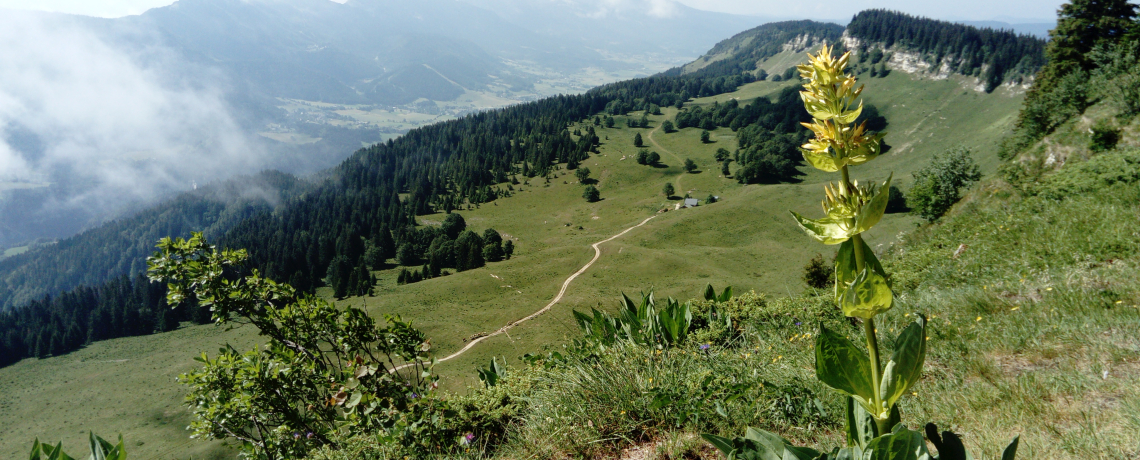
1006, 10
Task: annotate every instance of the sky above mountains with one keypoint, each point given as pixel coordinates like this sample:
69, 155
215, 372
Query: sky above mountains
1012, 11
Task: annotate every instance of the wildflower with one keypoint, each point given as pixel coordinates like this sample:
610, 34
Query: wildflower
705, 346
1015, 309
798, 323
978, 318
296, 435
309, 435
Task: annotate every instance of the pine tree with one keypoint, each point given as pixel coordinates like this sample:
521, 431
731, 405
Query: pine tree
43, 347
508, 249
637, 142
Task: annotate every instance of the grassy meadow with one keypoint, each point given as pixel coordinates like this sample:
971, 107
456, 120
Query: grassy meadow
747, 241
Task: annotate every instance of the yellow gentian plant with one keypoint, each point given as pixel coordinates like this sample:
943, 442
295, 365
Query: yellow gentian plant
862, 290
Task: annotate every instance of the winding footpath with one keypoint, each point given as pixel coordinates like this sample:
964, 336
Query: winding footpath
674, 155
565, 285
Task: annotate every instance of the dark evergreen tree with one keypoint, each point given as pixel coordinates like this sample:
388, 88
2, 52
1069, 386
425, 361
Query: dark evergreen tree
508, 249
591, 194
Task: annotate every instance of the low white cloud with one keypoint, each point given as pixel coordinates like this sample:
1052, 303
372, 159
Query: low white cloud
76, 108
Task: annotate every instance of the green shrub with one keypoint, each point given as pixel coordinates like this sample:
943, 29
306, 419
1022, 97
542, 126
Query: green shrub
818, 274
325, 371
591, 194
1099, 172
1104, 136
939, 185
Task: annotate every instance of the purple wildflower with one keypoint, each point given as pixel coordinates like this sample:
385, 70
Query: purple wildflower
704, 346
798, 323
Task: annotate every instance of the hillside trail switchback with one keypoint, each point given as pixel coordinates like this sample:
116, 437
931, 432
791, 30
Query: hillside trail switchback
565, 285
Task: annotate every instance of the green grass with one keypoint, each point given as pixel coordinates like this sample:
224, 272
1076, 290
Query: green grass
9, 252
1033, 333
117, 386
747, 241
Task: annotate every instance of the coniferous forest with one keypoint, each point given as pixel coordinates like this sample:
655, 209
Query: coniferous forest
994, 56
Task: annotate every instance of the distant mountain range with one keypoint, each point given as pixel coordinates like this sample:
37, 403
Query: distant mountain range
404, 59
395, 52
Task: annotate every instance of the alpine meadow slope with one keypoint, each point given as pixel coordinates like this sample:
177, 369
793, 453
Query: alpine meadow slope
744, 240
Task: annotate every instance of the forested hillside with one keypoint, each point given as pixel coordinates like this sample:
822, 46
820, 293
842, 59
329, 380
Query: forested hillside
362, 214
993, 56
742, 52
344, 219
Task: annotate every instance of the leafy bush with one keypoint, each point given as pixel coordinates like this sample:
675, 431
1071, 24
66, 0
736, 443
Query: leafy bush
939, 185
1101, 171
1104, 136
591, 194
325, 372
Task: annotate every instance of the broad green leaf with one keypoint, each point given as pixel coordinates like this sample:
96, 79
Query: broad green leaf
845, 268
822, 161
726, 295
722, 444
848, 453
861, 427
628, 303
849, 116
867, 296
873, 211
353, 400
1011, 450
902, 444
842, 366
710, 293
97, 447
775, 447
905, 366
826, 230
